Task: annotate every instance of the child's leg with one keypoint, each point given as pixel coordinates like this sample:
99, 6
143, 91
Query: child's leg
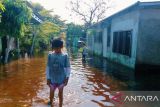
60, 94
52, 90
51, 95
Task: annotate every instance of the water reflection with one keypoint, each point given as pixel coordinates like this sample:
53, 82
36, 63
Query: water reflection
20, 81
136, 80
23, 83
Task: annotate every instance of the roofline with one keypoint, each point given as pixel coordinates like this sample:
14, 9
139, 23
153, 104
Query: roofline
34, 12
136, 5
150, 2
117, 13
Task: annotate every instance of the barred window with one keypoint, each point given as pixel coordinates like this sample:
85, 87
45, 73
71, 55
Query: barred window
122, 42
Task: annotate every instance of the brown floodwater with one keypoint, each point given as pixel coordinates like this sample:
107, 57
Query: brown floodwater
23, 83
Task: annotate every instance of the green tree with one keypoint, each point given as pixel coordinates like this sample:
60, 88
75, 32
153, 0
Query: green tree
46, 31
48, 28
52, 26
47, 14
73, 29
2, 8
74, 33
42, 34
26, 40
14, 19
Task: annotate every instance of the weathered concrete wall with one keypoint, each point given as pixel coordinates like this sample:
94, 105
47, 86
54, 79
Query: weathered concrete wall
128, 21
148, 50
105, 50
98, 46
144, 22
93, 46
90, 42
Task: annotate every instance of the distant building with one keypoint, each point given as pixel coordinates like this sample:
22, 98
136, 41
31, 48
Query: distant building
130, 37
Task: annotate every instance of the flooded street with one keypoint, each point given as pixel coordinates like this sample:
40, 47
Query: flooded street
113, 47
23, 83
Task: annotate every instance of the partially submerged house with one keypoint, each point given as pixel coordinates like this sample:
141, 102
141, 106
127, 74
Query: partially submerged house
130, 37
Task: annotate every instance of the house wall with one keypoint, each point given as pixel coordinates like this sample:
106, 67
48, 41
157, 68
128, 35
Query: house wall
90, 42
144, 22
148, 49
98, 46
128, 21
105, 49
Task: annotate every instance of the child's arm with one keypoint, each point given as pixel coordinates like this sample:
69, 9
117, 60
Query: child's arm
47, 71
67, 69
47, 75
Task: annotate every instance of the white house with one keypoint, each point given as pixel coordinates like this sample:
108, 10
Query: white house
130, 37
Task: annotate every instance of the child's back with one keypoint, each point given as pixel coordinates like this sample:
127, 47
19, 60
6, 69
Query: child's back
57, 70
57, 64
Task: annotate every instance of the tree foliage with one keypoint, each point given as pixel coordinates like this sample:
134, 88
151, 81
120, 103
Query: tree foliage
14, 19
48, 28
2, 8
52, 18
47, 15
75, 30
51, 26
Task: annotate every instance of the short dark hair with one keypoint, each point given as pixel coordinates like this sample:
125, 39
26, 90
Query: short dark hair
57, 43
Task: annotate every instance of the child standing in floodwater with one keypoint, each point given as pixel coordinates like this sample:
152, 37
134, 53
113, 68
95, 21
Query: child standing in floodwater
58, 70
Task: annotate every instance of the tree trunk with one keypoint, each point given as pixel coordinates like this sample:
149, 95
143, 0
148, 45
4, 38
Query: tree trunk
32, 47
4, 46
33, 41
9, 44
18, 47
